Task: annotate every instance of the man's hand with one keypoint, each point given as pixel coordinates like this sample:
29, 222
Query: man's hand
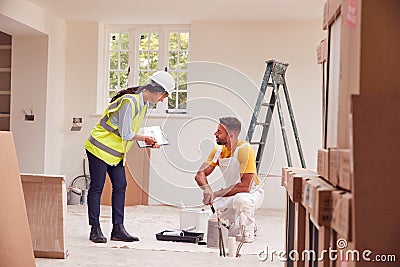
208, 195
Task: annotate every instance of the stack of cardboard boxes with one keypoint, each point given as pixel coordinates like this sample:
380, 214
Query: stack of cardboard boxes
350, 204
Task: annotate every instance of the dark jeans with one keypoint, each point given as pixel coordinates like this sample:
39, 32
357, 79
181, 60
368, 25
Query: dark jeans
98, 169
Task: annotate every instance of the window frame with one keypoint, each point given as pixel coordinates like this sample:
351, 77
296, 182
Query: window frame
163, 61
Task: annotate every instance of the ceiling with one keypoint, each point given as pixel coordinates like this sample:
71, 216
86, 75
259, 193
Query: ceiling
180, 11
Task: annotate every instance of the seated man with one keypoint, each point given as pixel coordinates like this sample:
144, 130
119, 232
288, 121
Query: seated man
240, 198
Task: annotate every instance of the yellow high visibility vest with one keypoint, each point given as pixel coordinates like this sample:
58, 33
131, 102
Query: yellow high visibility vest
105, 141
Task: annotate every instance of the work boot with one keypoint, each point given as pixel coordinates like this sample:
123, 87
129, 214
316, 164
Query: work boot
96, 235
119, 233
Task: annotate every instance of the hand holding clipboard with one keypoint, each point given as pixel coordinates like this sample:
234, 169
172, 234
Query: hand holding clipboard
154, 132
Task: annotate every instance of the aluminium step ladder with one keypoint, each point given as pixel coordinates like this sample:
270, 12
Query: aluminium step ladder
274, 77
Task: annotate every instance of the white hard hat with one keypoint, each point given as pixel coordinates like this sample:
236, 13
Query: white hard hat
164, 79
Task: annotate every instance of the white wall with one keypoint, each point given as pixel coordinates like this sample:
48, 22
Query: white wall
243, 47
80, 92
22, 19
29, 86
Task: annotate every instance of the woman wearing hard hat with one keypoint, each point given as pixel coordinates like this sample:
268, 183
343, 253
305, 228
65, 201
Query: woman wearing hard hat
108, 143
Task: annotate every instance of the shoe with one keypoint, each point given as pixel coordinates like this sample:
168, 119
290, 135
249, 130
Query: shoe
119, 233
96, 235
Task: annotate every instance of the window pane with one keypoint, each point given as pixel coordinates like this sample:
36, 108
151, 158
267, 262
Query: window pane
142, 77
153, 60
124, 57
184, 40
113, 60
114, 41
113, 80
173, 60
154, 41
143, 60
182, 97
173, 41
183, 58
144, 41
125, 41
123, 80
174, 74
182, 86
182, 78
172, 101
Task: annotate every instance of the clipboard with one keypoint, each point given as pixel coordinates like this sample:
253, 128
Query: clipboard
154, 131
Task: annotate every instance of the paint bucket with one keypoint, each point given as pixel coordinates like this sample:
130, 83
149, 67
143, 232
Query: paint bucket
213, 234
74, 196
194, 217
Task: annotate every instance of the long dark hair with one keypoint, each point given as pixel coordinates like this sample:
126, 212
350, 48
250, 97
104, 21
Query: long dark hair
152, 87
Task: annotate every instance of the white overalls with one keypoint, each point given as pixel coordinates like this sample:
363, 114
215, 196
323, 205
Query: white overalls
240, 208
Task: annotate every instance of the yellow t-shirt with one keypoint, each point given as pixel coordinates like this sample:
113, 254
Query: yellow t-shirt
245, 156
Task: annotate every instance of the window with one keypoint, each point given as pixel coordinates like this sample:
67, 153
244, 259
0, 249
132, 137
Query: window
118, 63
178, 44
136, 53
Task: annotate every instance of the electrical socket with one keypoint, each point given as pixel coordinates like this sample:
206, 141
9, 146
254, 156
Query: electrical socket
29, 117
76, 120
76, 124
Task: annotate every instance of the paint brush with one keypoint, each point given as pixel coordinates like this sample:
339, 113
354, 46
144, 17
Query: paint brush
212, 208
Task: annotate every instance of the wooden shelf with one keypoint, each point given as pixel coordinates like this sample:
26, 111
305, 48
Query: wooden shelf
5, 47
4, 92
4, 115
5, 69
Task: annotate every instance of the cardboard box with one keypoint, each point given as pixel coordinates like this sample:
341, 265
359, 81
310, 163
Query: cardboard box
292, 179
378, 46
350, 58
376, 146
287, 170
333, 172
341, 213
323, 163
319, 201
45, 200
137, 170
322, 51
295, 182
345, 174
294, 188
15, 242
363, 57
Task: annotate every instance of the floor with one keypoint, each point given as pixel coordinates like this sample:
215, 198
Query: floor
145, 222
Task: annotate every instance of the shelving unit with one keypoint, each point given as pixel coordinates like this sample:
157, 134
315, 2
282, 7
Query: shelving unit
5, 81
